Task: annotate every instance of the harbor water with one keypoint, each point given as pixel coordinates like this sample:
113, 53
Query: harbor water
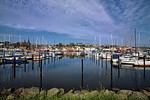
69, 72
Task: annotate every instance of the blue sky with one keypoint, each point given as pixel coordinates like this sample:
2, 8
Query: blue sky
86, 21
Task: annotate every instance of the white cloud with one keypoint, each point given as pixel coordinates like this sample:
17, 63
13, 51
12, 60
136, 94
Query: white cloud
80, 19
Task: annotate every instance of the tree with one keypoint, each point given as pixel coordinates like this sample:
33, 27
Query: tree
60, 45
71, 44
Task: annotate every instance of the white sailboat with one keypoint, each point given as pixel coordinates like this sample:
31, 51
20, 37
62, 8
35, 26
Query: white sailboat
141, 63
129, 60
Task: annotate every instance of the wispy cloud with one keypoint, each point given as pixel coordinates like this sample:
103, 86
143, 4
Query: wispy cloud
129, 12
79, 19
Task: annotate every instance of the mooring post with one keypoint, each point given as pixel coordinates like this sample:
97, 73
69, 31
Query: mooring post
106, 61
82, 65
32, 62
106, 56
45, 60
111, 74
98, 60
25, 65
102, 62
3, 60
39, 57
25, 59
118, 60
41, 63
82, 74
32, 65
111, 60
32, 57
144, 65
41, 76
118, 68
14, 61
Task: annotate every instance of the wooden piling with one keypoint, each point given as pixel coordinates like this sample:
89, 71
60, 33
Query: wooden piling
98, 61
39, 57
118, 60
45, 60
111, 85
41, 75
118, 67
102, 63
82, 65
106, 61
14, 61
32, 57
41, 63
111, 60
82, 74
32, 62
3, 60
25, 58
32, 65
25, 65
144, 65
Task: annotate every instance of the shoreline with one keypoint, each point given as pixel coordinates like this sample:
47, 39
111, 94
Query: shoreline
60, 94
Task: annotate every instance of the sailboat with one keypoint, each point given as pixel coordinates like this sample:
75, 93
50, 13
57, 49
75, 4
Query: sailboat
10, 60
141, 63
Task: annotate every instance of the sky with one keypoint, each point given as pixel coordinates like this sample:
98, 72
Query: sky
86, 21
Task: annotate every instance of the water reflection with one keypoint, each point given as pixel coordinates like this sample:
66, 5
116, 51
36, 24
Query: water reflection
73, 72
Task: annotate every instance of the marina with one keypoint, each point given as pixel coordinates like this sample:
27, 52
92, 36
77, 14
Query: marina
74, 70
74, 50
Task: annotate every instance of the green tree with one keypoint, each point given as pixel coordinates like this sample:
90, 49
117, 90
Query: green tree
60, 45
71, 44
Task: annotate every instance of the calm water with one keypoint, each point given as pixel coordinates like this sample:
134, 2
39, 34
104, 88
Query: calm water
66, 72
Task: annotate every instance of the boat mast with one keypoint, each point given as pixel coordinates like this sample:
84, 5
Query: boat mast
135, 39
112, 43
139, 40
20, 41
100, 41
